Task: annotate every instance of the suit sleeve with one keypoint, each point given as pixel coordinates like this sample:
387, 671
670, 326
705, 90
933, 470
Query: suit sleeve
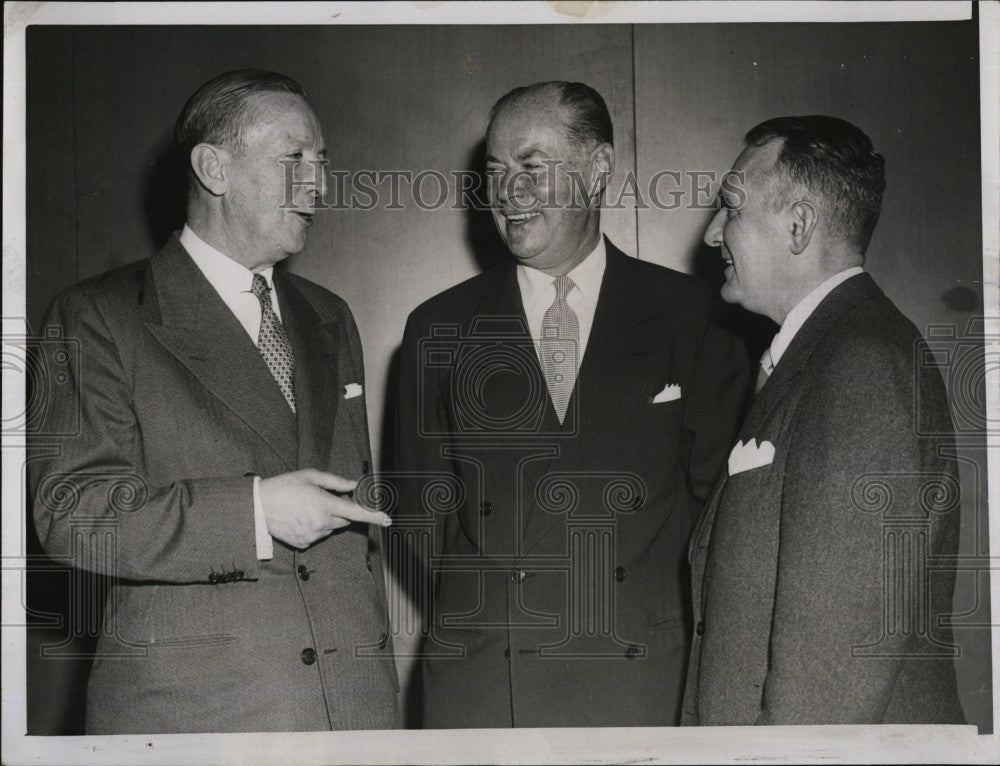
715, 399
854, 464
421, 426
93, 504
376, 534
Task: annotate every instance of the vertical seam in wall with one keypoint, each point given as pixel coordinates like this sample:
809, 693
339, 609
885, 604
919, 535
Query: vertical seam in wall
76, 153
635, 143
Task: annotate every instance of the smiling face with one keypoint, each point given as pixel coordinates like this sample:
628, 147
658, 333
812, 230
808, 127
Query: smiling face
265, 216
753, 236
540, 186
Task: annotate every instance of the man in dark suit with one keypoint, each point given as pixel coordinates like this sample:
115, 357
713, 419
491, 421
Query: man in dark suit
221, 431
814, 598
580, 403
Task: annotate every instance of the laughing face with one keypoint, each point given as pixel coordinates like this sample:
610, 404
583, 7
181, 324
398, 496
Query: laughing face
542, 186
752, 237
266, 216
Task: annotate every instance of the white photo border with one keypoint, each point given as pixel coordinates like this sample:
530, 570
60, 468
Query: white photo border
872, 744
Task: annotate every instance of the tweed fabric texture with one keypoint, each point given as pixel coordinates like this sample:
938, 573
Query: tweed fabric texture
800, 583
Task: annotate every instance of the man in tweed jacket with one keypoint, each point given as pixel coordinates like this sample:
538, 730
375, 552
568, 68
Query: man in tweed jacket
812, 597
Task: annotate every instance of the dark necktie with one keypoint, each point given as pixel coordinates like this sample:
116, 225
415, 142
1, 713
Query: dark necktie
560, 347
272, 342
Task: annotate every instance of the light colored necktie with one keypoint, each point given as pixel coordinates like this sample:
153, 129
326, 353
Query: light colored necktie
560, 347
766, 368
272, 342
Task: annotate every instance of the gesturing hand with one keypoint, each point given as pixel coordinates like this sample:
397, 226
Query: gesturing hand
299, 510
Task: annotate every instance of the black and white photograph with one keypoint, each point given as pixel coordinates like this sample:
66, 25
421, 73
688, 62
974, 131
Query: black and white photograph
516, 382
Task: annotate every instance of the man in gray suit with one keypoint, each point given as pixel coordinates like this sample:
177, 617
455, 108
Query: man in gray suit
221, 433
813, 602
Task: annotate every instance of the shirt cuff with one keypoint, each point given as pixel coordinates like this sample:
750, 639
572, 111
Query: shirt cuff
265, 545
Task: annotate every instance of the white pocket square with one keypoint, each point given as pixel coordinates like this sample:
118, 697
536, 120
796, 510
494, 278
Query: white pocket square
352, 389
670, 392
745, 457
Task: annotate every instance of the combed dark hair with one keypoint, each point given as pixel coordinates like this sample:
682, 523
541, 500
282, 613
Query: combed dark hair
589, 122
222, 110
836, 160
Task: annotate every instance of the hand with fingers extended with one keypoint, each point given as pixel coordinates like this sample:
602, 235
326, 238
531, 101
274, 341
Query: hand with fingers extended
302, 507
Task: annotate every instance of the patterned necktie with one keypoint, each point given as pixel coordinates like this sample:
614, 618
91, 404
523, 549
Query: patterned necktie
766, 368
560, 347
272, 342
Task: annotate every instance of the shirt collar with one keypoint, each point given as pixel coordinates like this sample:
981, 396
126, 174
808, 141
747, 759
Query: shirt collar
224, 274
587, 276
804, 309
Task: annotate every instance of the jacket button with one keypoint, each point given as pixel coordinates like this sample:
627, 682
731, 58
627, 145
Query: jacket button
368, 561
308, 656
506, 653
365, 468
700, 627
383, 639
238, 575
486, 508
517, 576
213, 578
620, 573
303, 572
632, 652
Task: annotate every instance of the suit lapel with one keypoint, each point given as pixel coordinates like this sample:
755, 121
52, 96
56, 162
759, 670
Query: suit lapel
792, 364
315, 345
629, 345
200, 331
697, 553
499, 321
796, 357
500, 315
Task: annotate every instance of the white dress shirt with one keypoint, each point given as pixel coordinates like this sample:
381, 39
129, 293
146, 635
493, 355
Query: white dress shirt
803, 310
538, 293
232, 282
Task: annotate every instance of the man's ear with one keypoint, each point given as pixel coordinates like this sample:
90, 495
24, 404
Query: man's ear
801, 226
211, 168
602, 167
